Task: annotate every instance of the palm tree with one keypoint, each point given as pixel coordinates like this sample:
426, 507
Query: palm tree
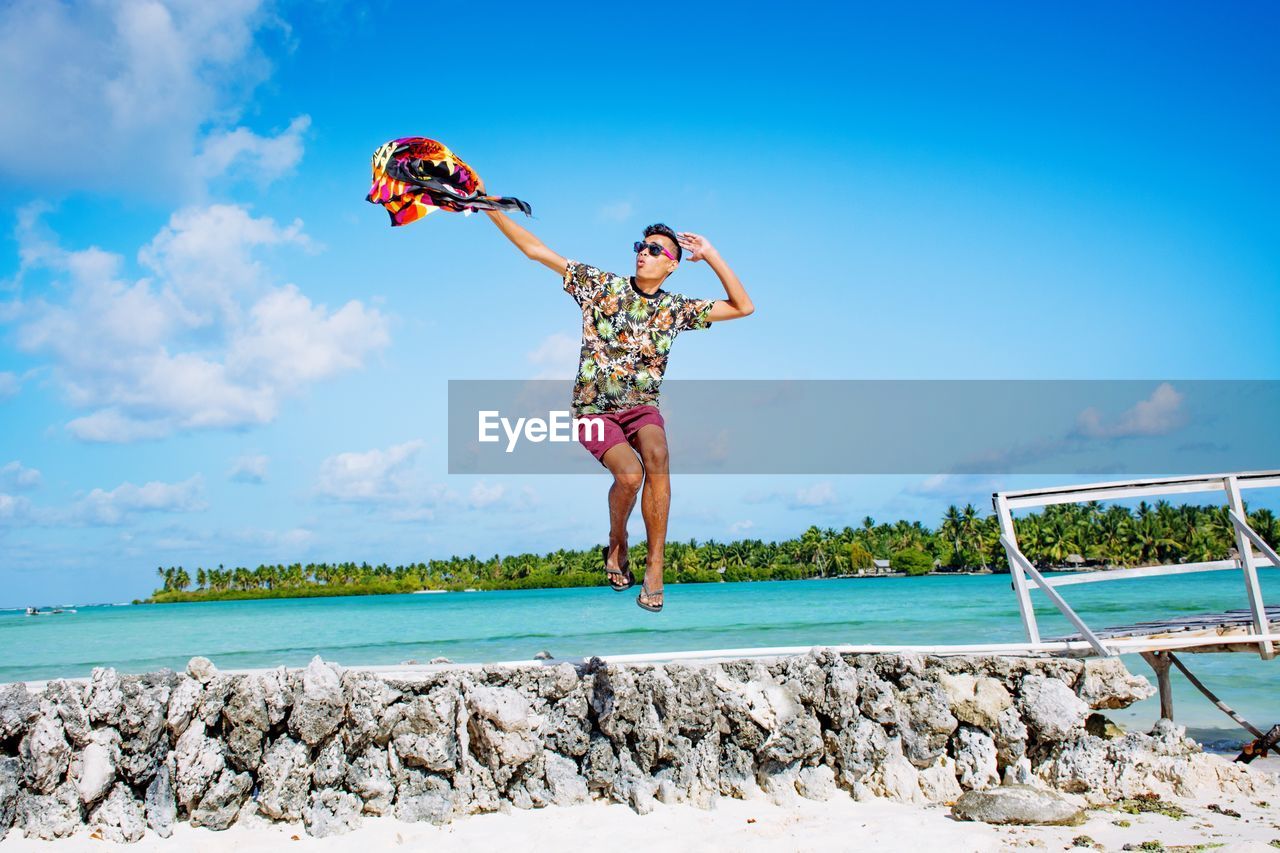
952, 527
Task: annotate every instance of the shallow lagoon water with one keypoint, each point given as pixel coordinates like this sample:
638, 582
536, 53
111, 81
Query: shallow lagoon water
515, 625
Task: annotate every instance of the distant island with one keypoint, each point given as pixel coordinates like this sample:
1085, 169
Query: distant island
1068, 536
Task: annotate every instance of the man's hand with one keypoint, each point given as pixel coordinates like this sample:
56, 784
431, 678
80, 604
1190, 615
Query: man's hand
738, 304
698, 247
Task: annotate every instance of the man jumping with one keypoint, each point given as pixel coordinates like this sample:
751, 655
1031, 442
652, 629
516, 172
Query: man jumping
628, 326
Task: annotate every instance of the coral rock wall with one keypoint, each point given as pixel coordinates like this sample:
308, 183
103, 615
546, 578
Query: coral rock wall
325, 746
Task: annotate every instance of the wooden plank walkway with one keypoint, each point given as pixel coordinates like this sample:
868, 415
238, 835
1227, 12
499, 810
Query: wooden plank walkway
1228, 625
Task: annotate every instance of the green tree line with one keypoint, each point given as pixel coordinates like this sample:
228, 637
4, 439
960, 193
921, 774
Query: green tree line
1059, 536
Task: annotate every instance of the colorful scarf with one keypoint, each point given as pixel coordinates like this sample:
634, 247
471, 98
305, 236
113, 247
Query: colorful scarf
415, 176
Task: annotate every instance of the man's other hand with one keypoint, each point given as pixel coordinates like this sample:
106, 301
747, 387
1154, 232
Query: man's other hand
696, 245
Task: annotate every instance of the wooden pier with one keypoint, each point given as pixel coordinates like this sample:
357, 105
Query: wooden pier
1254, 629
1234, 628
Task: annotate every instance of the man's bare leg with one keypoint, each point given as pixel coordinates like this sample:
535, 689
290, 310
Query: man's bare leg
628, 475
655, 504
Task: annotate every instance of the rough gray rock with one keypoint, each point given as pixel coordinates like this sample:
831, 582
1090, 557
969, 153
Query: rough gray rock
426, 735
797, 739
161, 809
632, 785
501, 730
1107, 684
284, 778
248, 721
18, 710
331, 812
1022, 805
201, 669
318, 705
182, 705
925, 721
220, 804
975, 700
369, 777
10, 780
367, 721
878, 701
816, 783
567, 786
329, 764
93, 770
975, 756
105, 697
423, 797
198, 760
938, 781
213, 699
142, 715
1052, 711
50, 816
44, 751
839, 702
277, 693
895, 777
68, 698
120, 818
1010, 735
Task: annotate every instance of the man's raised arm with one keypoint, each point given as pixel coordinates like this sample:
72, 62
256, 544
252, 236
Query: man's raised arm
738, 303
532, 247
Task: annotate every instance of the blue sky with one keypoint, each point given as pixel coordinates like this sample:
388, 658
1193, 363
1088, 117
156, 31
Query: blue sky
212, 350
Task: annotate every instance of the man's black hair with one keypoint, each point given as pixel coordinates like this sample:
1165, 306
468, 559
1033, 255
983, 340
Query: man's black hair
659, 228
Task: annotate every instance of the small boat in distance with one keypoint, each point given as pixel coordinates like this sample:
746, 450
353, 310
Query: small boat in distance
36, 611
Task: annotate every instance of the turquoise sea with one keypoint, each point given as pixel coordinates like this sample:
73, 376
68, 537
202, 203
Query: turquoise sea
502, 626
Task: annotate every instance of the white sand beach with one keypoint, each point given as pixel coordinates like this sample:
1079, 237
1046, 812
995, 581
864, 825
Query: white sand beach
736, 825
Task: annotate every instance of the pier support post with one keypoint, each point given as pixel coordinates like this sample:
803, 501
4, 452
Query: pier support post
1160, 663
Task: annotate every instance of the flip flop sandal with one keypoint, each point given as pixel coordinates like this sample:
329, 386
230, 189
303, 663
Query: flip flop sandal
653, 608
622, 573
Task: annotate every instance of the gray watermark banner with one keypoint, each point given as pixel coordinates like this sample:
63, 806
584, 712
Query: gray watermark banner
1120, 427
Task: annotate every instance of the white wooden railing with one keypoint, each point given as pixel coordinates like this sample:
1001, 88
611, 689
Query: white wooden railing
1246, 539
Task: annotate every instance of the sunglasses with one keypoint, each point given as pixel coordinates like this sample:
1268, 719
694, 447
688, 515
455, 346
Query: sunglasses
654, 248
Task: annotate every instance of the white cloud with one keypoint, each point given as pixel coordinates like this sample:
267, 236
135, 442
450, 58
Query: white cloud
116, 506
263, 157
819, 494
149, 90
205, 256
742, 526
206, 342
374, 475
806, 497
292, 342
288, 541
13, 508
556, 356
1159, 414
615, 211
970, 488
18, 476
484, 495
9, 384
250, 469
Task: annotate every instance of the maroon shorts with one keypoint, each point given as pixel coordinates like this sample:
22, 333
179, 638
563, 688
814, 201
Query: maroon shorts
619, 427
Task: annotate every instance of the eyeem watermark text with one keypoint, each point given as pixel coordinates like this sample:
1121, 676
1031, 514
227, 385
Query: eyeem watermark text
558, 426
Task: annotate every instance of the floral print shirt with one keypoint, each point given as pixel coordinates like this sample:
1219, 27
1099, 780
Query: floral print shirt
626, 337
